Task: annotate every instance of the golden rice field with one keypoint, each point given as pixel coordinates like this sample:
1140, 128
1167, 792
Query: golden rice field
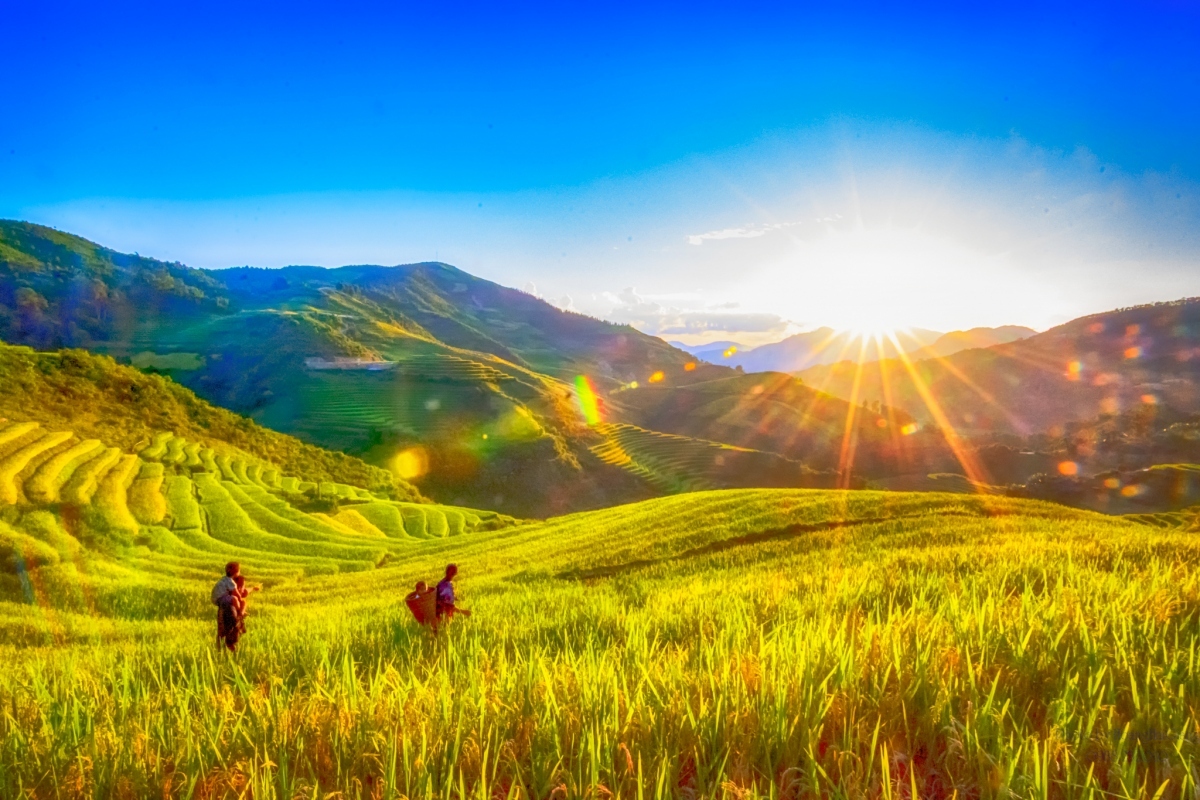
736, 644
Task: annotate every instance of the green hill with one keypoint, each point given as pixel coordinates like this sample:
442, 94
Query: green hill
70, 504
95, 397
383, 361
778, 413
765, 643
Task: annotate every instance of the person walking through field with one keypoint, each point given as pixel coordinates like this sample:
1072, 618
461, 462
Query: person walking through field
446, 607
229, 596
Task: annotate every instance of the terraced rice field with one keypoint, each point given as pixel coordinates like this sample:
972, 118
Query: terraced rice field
666, 461
936, 482
738, 644
446, 367
409, 402
678, 463
203, 507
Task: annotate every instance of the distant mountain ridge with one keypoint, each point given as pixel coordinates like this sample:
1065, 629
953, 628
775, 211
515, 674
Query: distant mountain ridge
1102, 364
828, 346
712, 352
957, 341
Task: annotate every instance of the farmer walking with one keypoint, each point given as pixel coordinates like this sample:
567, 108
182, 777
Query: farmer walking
445, 595
229, 596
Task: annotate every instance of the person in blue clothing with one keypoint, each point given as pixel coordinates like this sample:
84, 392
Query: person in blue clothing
446, 607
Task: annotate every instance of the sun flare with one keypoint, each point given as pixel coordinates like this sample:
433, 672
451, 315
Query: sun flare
880, 281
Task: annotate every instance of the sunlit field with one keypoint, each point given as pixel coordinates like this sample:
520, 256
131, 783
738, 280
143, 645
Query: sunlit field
773, 643
803, 402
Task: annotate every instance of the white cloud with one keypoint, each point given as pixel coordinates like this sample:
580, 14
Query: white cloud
655, 318
751, 231
728, 233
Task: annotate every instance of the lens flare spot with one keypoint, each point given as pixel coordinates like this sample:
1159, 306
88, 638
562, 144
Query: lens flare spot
730, 352
909, 429
433, 404
1149, 399
1096, 327
410, 463
881, 422
657, 376
1133, 490
1133, 352
1074, 368
1068, 468
1133, 330
589, 404
689, 366
633, 384
485, 436
1112, 483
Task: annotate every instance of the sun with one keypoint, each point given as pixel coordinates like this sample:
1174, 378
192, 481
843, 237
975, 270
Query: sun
884, 281
871, 332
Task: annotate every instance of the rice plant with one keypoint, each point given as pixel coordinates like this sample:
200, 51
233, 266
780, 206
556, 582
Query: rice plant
757, 643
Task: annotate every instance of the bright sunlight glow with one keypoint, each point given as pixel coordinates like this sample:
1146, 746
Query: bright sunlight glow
876, 282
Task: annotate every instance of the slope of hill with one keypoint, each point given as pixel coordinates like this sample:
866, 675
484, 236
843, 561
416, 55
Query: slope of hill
476, 375
707, 347
855, 644
99, 399
956, 341
60, 290
98, 458
781, 414
1102, 364
473, 382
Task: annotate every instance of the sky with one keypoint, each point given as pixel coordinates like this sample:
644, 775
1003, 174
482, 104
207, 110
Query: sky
702, 171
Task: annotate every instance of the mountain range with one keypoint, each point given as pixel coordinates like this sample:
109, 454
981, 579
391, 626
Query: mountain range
478, 385
485, 396
827, 346
1095, 366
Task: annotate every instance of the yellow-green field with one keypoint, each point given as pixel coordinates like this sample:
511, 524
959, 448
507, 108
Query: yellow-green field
756, 643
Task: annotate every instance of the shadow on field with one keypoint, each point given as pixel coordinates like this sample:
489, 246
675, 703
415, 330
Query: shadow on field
773, 534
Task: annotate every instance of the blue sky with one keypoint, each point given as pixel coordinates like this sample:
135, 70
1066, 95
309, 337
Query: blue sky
701, 170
